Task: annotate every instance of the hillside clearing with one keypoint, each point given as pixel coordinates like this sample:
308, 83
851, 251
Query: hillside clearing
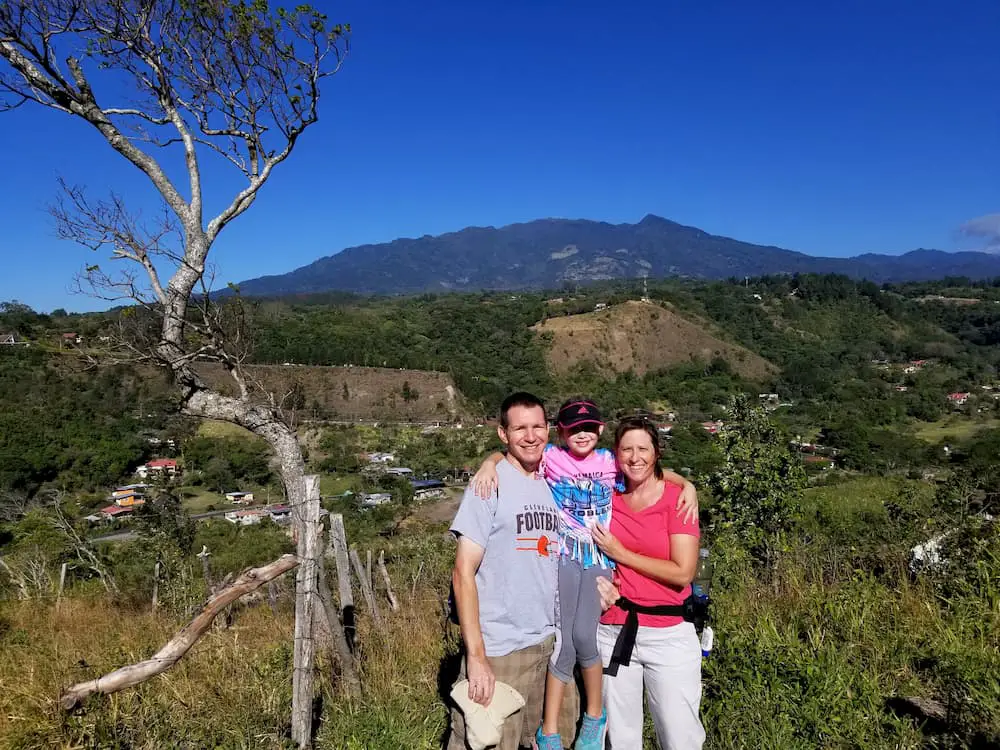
642, 337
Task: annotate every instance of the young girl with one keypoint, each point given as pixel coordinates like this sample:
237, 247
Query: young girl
582, 478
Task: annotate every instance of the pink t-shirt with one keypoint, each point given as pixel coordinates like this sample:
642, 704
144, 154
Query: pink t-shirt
582, 488
647, 532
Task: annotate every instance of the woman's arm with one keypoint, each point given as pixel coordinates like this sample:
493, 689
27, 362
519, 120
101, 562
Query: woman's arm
678, 571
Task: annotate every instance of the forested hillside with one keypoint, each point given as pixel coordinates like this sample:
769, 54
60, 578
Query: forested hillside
839, 351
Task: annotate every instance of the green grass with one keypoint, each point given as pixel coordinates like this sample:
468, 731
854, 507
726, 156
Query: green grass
211, 428
337, 485
953, 426
198, 499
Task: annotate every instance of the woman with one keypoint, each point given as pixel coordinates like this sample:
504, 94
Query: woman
642, 638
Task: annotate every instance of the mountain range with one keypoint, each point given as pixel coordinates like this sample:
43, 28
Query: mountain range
548, 253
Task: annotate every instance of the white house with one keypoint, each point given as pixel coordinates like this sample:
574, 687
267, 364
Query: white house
370, 500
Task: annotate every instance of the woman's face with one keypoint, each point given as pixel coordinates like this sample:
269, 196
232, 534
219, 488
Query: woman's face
636, 456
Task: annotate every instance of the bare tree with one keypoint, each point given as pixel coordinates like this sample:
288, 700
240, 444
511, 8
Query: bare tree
175, 83
172, 85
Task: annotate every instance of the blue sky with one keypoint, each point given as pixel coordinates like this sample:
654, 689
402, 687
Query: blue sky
833, 129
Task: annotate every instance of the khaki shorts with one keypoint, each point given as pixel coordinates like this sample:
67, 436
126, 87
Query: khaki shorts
523, 670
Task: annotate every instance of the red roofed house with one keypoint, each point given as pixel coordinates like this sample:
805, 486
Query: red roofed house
115, 511
158, 467
958, 399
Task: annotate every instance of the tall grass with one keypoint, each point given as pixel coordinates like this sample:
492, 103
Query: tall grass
809, 656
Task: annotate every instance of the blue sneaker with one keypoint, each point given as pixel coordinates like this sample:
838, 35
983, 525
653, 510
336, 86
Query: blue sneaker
591, 732
548, 741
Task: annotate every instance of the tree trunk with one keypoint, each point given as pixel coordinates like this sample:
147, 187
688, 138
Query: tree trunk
179, 645
306, 519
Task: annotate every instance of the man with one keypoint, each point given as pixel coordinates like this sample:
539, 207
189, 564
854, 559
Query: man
505, 579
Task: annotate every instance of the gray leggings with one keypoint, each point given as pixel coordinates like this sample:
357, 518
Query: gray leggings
577, 612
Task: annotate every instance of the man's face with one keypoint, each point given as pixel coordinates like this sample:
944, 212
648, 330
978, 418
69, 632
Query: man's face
526, 434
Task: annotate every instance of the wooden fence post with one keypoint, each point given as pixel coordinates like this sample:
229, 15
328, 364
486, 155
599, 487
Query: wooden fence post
337, 548
156, 585
306, 519
347, 668
366, 586
385, 579
62, 583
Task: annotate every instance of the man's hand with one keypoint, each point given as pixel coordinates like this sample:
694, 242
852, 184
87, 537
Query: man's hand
608, 591
485, 482
687, 503
481, 679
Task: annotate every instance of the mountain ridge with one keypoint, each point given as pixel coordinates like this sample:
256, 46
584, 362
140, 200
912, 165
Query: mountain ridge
550, 252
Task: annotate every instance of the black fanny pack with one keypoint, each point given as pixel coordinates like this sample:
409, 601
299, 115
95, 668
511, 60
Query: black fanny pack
692, 610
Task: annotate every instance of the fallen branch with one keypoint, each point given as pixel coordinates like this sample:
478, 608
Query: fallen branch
181, 643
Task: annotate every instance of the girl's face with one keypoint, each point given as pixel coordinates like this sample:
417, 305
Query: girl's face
582, 440
636, 457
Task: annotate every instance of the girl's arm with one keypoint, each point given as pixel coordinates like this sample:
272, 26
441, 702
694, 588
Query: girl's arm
678, 571
485, 482
687, 503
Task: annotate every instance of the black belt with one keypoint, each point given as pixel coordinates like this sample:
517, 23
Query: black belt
622, 653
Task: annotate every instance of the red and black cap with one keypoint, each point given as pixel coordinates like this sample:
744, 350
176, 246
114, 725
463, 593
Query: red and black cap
579, 412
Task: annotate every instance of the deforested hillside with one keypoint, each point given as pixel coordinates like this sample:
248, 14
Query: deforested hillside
352, 393
642, 337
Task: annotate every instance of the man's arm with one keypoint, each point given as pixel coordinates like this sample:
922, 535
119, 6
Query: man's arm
463, 578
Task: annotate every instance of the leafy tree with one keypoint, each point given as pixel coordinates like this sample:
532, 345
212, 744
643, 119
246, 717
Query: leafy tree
758, 487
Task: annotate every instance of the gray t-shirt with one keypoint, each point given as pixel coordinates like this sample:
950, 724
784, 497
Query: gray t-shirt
519, 529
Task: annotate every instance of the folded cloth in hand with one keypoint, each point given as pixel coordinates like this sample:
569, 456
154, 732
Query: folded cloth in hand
483, 724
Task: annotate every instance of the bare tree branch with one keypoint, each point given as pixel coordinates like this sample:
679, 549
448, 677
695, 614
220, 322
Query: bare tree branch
181, 643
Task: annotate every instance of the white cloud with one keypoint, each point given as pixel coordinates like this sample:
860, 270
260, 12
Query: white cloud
984, 228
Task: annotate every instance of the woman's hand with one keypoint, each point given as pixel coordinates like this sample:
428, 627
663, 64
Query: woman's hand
607, 542
687, 503
485, 482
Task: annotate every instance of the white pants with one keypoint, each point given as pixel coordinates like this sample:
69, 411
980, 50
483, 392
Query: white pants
668, 662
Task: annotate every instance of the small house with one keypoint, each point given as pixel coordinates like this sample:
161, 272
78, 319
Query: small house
280, 514
114, 511
162, 467
372, 499
958, 399
712, 428
427, 488
246, 517
399, 471
240, 498
130, 495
